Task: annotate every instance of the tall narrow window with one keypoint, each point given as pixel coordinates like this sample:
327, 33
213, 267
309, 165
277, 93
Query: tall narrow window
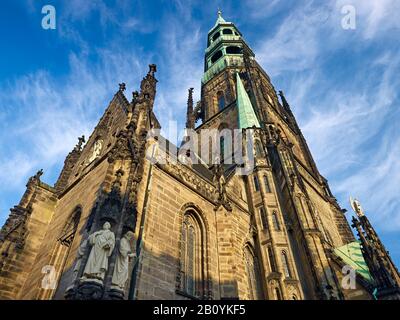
275, 221
285, 264
191, 262
190, 255
222, 148
271, 259
253, 275
263, 217
256, 183
278, 294
221, 100
266, 184
259, 149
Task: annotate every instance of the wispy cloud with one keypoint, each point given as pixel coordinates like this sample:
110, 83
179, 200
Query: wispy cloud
349, 119
48, 113
295, 45
374, 18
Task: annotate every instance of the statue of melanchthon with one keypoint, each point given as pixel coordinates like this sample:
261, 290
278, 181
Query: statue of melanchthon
102, 243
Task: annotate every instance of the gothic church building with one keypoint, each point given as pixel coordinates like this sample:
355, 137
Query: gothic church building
120, 224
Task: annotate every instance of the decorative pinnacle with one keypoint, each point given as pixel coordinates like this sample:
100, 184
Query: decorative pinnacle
117, 182
152, 69
81, 141
189, 113
135, 95
35, 178
39, 174
190, 95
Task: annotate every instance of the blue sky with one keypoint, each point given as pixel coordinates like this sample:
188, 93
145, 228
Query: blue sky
342, 84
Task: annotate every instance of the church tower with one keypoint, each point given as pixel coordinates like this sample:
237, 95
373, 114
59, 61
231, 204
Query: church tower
296, 219
238, 211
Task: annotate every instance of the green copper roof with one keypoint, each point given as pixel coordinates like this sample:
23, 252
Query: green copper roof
351, 255
246, 114
220, 20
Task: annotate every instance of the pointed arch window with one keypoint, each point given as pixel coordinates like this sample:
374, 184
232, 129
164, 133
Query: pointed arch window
221, 100
263, 217
259, 149
267, 186
256, 183
275, 221
271, 259
285, 264
253, 275
278, 294
191, 278
69, 230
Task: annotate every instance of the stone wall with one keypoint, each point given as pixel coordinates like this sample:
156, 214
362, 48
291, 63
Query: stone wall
19, 262
83, 194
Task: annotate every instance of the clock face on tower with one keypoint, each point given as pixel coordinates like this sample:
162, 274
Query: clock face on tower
96, 150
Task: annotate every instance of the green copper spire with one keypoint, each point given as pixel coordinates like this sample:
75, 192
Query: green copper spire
351, 255
246, 114
220, 19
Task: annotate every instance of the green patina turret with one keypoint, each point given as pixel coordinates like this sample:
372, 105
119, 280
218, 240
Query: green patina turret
351, 255
225, 48
246, 116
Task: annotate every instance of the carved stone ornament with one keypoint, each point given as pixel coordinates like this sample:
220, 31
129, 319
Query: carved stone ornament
222, 198
96, 150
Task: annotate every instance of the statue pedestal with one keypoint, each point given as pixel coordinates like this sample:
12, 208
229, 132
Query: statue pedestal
89, 290
115, 294
70, 293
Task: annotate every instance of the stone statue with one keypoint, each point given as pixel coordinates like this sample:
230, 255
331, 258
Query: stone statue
96, 150
36, 177
219, 178
356, 206
102, 243
126, 252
